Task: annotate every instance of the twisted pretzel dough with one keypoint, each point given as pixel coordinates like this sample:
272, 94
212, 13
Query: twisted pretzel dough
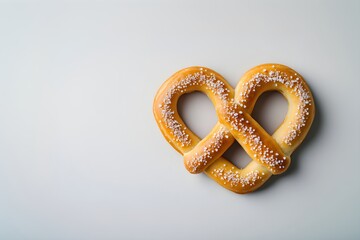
270, 154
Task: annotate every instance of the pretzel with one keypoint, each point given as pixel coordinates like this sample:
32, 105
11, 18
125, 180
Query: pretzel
270, 154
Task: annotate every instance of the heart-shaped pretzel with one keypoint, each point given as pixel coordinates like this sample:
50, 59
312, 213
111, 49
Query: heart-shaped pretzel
270, 154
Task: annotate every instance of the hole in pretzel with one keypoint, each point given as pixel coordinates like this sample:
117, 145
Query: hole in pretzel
237, 155
198, 113
270, 110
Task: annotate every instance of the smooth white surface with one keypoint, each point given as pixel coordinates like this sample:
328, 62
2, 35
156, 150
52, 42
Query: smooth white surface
81, 156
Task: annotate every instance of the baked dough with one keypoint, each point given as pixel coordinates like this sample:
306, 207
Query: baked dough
270, 154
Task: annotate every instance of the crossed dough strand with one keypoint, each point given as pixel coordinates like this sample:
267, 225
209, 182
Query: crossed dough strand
270, 154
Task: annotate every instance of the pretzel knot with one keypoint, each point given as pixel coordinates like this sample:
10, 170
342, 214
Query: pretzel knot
269, 154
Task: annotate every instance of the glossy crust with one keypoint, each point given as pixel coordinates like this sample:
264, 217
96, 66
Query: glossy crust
270, 154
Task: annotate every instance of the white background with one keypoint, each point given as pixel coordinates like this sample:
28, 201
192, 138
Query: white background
81, 156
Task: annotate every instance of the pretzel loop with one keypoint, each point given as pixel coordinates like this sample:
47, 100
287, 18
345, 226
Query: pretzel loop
270, 154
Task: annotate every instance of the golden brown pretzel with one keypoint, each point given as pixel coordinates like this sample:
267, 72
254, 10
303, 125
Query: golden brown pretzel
270, 154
